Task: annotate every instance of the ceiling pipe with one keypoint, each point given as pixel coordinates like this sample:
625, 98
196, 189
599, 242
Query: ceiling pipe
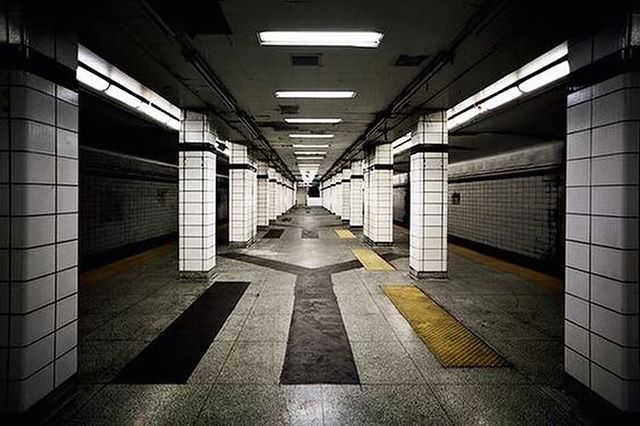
480, 18
196, 60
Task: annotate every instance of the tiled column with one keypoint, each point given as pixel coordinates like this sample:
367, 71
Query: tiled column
380, 196
242, 176
338, 196
197, 198
273, 194
602, 341
346, 194
263, 194
356, 194
428, 189
366, 226
38, 211
253, 181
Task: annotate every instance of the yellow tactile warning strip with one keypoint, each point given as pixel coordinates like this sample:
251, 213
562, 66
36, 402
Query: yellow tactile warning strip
371, 261
103, 272
450, 341
500, 265
344, 233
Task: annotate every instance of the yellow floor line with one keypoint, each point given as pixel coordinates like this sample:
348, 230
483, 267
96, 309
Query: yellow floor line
345, 233
501, 265
450, 341
107, 271
371, 261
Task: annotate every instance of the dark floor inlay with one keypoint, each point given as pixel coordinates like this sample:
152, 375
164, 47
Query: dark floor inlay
274, 233
309, 233
175, 353
318, 350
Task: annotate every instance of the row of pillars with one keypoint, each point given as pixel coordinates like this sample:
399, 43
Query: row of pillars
39, 208
258, 194
362, 196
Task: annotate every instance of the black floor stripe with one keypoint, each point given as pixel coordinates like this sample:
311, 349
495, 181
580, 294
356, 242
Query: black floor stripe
175, 353
309, 233
318, 350
273, 233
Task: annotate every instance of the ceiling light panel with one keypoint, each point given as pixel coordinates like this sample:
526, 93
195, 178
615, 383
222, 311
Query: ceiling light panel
316, 94
313, 120
311, 135
310, 146
369, 39
310, 153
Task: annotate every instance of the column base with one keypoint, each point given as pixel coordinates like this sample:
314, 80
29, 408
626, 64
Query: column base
372, 243
426, 275
356, 227
197, 276
242, 244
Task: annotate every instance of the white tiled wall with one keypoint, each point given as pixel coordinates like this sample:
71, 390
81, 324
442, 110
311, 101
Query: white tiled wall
263, 194
197, 198
273, 193
379, 195
428, 195
602, 337
346, 194
38, 226
242, 195
356, 194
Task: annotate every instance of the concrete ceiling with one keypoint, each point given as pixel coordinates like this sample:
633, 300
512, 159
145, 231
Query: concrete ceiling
480, 39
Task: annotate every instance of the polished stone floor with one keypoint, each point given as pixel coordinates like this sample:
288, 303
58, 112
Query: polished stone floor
238, 379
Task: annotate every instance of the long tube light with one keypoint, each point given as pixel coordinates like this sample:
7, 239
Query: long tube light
313, 120
546, 77
320, 38
524, 80
315, 94
310, 146
97, 74
310, 158
311, 135
310, 153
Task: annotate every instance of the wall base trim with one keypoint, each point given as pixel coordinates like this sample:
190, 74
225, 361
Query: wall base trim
372, 243
198, 276
428, 275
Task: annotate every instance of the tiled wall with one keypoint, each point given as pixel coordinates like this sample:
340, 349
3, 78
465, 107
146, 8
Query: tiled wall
38, 216
520, 214
263, 194
602, 306
125, 200
243, 195
197, 198
428, 196
356, 195
513, 201
378, 195
346, 194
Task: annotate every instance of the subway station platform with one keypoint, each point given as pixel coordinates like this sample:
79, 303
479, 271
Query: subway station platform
257, 331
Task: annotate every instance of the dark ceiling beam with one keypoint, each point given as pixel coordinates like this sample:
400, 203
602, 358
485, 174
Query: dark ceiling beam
481, 17
195, 59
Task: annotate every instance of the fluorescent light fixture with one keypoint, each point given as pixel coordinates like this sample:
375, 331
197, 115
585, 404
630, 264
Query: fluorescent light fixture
122, 96
155, 113
310, 153
464, 117
311, 135
117, 85
320, 38
400, 144
554, 73
313, 120
310, 146
310, 158
502, 98
90, 79
315, 94
545, 77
